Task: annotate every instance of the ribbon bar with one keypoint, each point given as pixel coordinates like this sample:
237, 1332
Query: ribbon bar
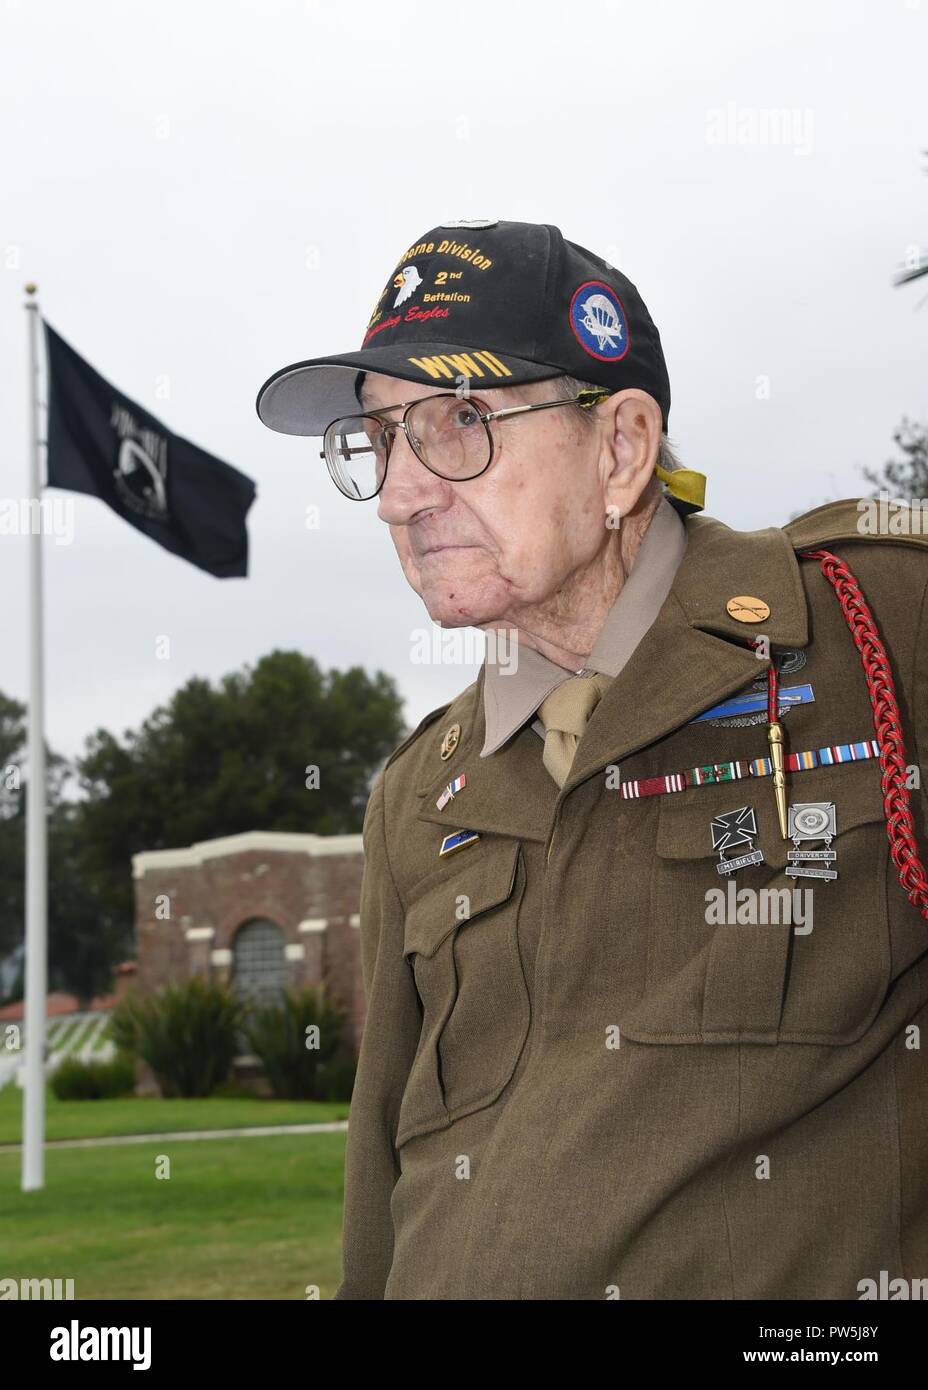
713, 773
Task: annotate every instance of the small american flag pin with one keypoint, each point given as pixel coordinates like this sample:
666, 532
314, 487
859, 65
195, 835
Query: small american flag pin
450, 791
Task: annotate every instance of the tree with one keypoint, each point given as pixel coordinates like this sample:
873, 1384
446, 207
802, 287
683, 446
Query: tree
84, 942
12, 822
906, 478
220, 760
85, 939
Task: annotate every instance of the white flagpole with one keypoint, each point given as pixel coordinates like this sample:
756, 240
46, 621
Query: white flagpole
33, 1162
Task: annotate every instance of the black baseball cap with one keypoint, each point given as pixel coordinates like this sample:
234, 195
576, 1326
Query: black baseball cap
497, 303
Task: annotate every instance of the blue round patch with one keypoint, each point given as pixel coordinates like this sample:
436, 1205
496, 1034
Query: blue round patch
598, 321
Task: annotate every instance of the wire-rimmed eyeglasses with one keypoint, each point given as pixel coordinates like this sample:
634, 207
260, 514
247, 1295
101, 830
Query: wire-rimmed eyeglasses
448, 433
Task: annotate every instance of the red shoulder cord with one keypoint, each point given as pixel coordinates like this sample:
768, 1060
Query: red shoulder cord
887, 725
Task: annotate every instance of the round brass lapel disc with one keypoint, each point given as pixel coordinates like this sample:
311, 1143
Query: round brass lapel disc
745, 609
450, 741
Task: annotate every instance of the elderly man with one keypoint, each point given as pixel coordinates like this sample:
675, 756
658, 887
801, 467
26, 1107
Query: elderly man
643, 914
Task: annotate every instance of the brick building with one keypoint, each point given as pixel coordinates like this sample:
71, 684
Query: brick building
259, 911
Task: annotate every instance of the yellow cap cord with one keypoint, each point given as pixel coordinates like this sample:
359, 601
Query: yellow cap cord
688, 486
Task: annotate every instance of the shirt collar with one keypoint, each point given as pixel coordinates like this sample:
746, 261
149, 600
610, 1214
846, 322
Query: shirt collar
512, 695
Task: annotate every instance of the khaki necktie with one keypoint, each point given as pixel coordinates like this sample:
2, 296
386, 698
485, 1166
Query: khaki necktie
565, 714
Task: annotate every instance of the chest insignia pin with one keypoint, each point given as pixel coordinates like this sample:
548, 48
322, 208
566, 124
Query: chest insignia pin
809, 821
450, 741
459, 840
451, 791
731, 831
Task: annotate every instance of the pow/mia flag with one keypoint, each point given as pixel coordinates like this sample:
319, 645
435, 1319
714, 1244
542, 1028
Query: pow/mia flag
100, 442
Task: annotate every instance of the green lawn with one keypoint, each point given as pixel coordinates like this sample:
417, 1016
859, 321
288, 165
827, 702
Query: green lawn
237, 1218
85, 1119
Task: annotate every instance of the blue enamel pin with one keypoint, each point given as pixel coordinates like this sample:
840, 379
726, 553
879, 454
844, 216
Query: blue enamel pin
459, 840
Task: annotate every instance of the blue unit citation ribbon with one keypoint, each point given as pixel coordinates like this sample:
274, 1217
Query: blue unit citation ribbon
754, 701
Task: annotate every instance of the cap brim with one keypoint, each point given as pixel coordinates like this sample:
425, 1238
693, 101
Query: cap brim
307, 396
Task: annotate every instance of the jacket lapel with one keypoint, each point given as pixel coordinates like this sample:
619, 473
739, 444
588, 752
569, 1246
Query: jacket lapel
507, 793
695, 654
692, 657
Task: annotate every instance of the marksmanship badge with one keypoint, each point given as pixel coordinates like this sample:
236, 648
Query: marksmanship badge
731, 831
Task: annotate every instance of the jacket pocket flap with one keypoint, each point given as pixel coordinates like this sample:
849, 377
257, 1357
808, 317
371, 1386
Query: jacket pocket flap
761, 956
480, 877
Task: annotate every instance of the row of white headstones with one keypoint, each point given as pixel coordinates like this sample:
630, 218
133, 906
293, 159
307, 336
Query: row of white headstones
71, 1035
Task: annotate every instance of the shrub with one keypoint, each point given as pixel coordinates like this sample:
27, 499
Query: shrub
74, 1079
187, 1034
278, 1036
123, 1025
335, 1079
233, 1090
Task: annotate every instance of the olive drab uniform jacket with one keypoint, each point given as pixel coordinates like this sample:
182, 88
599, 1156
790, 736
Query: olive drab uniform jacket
579, 1078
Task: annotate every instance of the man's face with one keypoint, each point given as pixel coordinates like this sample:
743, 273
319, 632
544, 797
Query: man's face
480, 551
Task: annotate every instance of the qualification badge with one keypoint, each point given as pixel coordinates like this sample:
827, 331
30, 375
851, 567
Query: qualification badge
811, 821
733, 830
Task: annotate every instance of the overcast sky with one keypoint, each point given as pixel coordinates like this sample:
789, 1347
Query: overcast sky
205, 192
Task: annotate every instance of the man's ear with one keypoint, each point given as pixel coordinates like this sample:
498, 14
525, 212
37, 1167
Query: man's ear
632, 425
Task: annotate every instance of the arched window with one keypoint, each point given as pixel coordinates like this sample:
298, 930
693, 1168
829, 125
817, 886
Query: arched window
259, 972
